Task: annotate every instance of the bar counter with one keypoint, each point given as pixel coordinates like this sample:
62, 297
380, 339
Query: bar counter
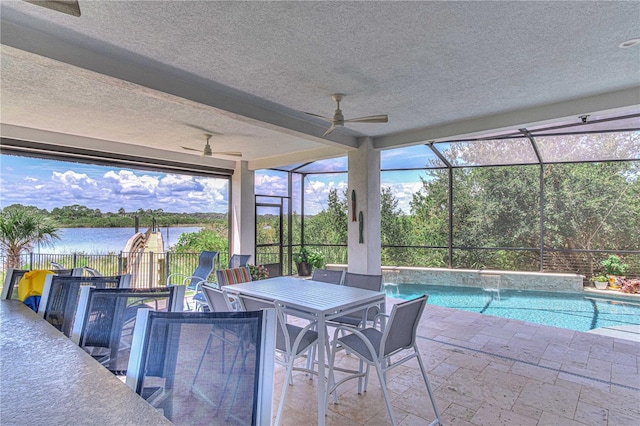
45, 379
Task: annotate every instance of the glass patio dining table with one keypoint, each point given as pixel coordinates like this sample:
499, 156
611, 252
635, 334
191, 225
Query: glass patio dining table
316, 301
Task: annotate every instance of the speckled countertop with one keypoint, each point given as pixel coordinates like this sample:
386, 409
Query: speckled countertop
48, 380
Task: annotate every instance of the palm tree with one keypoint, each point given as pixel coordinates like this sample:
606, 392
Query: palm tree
20, 229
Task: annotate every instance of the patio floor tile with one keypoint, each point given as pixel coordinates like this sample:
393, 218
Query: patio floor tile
486, 370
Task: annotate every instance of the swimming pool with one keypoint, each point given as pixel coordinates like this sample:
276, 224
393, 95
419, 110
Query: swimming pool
581, 312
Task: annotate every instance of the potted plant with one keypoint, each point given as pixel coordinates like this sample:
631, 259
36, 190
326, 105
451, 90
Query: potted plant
258, 272
600, 282
614, 268
306, 259
628, 285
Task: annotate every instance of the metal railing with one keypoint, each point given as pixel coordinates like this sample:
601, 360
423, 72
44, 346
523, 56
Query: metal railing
152, 269
147, 269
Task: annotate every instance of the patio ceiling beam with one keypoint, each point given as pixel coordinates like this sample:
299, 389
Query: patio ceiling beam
133, 68
616, 101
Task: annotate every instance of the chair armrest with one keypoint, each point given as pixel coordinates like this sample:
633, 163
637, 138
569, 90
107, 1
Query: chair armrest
203, 282
378, 319
281, 311
358, 333
174, 275
190, 280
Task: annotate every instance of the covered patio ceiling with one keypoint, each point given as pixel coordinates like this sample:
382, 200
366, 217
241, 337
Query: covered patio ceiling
148, 78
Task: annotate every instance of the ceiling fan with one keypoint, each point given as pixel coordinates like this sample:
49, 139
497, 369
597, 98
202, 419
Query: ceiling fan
338, 118
208, 152
70, 7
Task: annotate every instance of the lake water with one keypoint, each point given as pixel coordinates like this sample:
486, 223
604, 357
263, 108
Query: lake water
105, 240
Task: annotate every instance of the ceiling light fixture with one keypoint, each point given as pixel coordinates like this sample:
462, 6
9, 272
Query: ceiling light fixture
629, 43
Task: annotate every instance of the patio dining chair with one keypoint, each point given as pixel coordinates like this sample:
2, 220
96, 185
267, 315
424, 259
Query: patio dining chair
238, 260
219, 302
233, 276
327, 276
366, 282
216, 299
376, 348
92, 272
11, 282
168, 350
206, 265
28, 285
60, 297
105, 319
292, 341
59, 269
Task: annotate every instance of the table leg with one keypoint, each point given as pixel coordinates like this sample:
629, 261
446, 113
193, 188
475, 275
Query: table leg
322, 336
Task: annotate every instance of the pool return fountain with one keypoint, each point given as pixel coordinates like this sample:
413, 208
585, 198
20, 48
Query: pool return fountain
491, 284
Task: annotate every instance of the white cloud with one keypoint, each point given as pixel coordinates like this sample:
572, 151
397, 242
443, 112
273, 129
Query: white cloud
403, 192
72, 179
179, 183
316, 190
271, 184
128, 183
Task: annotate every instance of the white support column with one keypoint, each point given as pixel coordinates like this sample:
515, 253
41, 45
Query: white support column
364, 178
243, 211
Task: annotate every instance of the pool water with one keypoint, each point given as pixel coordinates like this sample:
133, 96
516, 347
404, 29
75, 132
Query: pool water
572, 311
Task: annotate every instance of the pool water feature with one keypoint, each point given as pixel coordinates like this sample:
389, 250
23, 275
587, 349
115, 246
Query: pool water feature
581, 312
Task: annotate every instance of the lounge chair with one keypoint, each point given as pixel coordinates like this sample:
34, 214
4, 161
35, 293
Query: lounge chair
206, 265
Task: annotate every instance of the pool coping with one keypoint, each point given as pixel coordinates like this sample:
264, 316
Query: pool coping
612, 294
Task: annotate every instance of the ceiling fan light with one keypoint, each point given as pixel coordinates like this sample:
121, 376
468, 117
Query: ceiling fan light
207, 150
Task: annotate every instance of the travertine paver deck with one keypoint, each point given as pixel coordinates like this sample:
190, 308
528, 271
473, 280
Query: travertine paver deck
491, 371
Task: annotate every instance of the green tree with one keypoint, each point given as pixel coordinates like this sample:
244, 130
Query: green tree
330, 225
205, 239
430, 219
21, 228
394, 230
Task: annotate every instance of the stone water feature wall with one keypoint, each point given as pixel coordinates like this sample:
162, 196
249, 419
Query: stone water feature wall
514, 280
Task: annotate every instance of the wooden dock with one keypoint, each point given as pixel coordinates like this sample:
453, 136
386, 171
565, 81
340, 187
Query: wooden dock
144, 255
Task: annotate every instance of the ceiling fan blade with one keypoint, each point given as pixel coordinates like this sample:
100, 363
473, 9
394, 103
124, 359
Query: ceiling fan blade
229, 153
369, 119
203, 129
191, 149
70, 7
329, 130
319, 116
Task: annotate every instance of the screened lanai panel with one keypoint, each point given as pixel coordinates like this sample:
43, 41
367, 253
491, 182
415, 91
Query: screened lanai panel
595, 123
590, 147
493, 152
428, 200
271, 182
592, 206
496, 207
290, 167
325, 166
411, 157
296, 208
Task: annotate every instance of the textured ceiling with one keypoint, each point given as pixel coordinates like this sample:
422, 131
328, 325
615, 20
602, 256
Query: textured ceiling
154, 74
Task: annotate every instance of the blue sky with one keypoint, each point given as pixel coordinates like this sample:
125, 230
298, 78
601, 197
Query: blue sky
48, 184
